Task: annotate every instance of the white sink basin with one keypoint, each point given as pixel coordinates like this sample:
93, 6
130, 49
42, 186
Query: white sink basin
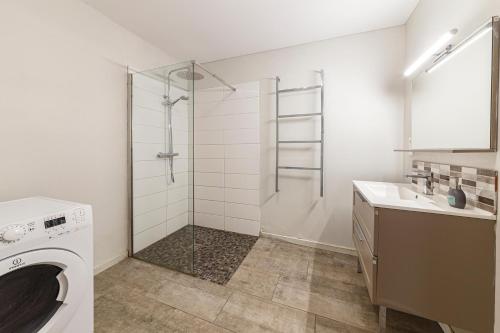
404, 197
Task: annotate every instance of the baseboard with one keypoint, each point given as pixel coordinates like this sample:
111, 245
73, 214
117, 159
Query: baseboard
104, 266
310, 243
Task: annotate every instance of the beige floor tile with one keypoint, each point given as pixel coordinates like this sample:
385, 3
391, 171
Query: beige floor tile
341, 290
290, 266
326, 325
254, 282
338, 305
138, 273
346, 274
125, 309
246, 313
264, 245
101, 285
205, 304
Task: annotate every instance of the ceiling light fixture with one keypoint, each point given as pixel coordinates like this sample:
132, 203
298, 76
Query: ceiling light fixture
460, 47
442, 41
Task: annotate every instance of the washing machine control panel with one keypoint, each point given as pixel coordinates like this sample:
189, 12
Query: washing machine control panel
53, 226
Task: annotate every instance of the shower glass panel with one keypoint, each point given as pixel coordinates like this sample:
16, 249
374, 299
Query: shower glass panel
195, 148
161, 106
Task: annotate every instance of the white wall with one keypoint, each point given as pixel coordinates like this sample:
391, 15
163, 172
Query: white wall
227, 159
363, 87
63, 120
430, 20
160, 206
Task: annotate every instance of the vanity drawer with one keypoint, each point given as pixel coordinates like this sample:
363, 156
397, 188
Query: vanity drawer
367, 260
365, 214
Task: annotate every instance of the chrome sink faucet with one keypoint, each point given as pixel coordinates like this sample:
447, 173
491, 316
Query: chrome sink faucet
429, 184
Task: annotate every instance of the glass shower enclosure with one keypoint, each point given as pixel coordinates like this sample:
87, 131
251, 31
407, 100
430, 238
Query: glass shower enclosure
162, 163
161, 140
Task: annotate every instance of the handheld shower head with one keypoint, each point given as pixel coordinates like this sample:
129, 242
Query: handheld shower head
183, 98
168, 102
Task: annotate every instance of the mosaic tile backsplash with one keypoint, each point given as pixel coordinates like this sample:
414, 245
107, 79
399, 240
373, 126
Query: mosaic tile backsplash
480, 185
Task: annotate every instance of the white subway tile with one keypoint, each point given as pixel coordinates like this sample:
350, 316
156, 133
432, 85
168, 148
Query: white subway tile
144, 82
177, 194
209, 95
209, 193
148, 117
180, 122
148, 134
150, 202
249, 182
177, 208
250, 197
181, 165
240, 121
177, 223
209, 137
209, 179
151, 185
146, 151
147, 99
149, 219
181, 137
145, 169
241, 226
208, 151
207, 109
239, 106
244, 166
209, 220
209, 207
248, 212
210, 123
241, 136
209, 165
149, 236
242, 151
181, 180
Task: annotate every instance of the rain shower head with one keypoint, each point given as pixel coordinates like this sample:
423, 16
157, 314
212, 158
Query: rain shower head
189, 75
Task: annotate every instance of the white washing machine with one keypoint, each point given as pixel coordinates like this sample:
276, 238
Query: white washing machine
46, 266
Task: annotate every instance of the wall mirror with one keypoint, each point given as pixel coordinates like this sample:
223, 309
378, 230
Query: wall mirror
454, 102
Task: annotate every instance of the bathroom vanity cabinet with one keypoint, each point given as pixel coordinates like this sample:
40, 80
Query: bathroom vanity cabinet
436, 266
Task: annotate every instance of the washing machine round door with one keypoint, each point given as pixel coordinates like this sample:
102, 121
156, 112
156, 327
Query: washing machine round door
41, 290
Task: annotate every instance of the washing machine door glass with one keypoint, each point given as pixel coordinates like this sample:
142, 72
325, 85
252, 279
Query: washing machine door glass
39, 290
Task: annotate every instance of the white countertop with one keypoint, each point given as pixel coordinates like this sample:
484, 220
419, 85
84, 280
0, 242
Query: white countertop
404, 197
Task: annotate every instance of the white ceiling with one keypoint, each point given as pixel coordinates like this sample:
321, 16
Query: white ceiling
208, 30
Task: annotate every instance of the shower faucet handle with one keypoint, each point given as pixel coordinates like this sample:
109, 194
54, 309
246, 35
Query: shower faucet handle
166, 155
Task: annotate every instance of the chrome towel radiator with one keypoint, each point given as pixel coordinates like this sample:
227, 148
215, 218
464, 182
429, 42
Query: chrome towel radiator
279, 142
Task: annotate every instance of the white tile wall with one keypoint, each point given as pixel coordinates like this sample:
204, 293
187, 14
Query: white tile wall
242, 226
249, 182
227, 160
209, 207
209, 179
160, 207
236, 195
209, 220
150, 219
149, 236
248, 212
226, 168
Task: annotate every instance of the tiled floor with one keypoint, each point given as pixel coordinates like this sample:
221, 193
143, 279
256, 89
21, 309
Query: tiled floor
214, 255
279, 287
